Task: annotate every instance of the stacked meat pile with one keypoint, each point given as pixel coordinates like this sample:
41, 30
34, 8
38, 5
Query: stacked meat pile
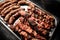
33, 24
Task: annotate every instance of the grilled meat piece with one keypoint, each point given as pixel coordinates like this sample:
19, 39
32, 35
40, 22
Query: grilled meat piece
13, 18
33, 24
9, 9
11, 13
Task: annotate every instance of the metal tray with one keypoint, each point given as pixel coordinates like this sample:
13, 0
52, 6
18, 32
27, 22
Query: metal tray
12, 36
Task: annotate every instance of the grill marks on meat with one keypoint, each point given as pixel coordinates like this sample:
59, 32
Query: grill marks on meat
33, 24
